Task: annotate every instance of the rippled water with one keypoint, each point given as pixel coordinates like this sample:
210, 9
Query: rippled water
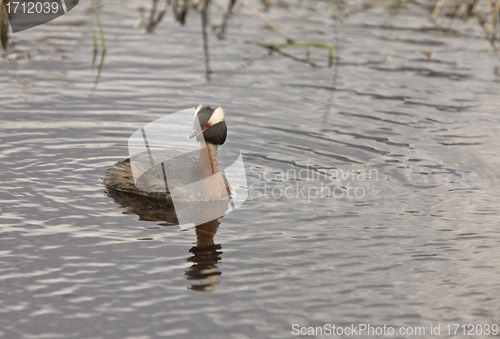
419, 137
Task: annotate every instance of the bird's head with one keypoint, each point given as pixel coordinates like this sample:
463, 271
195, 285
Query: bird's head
209, 125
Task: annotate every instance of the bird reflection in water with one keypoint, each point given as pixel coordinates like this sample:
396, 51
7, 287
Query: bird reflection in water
205, 258
206, 254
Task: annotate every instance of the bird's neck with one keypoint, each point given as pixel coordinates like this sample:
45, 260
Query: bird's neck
208, 159
214, 183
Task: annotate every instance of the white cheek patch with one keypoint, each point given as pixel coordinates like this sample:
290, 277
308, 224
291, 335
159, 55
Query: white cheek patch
217, 116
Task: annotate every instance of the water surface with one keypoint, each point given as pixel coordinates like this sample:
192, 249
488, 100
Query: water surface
418, 247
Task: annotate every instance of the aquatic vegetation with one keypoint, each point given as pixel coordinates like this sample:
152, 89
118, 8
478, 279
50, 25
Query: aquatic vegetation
445, 14
180, 9
96, 47
485, 12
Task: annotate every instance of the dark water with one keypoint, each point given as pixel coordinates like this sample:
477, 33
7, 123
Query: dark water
418, 244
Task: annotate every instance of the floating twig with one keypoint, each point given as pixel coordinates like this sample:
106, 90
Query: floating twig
153, 18
302, 44
225, 19
268, 22
437, 9
489, 25
293, 57
180, 14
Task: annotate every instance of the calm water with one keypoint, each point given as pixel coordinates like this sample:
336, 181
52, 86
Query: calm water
415, 243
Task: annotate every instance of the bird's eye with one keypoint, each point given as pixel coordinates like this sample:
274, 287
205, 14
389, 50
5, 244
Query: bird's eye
209, 125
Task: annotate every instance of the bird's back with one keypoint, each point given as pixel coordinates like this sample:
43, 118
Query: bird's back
180, 170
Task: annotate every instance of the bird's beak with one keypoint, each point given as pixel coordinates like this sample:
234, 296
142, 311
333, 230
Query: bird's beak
194, 134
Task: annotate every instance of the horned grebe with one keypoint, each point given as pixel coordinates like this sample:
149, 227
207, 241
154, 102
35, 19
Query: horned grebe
189, 177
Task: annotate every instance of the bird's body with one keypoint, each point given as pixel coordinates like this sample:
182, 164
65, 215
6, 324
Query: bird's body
176, 174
